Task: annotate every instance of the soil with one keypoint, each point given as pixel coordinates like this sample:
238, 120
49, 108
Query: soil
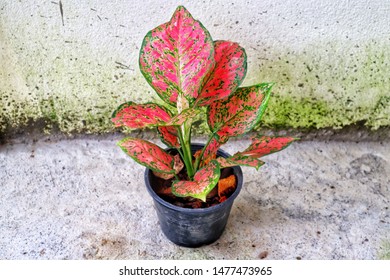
163, 189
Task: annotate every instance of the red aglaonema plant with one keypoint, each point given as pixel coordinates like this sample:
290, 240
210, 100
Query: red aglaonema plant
188, 70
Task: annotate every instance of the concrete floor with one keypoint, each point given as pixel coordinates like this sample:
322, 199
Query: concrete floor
85, 199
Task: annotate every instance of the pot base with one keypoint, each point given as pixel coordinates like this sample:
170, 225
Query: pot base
193, 228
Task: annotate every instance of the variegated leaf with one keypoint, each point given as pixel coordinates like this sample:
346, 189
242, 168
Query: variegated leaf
240, 160
228, 73
168, 135
187, 114
210, 152
260, 147
204, 181
135, 115
177, 166
266, 145
148, 155
176, 56
239, 113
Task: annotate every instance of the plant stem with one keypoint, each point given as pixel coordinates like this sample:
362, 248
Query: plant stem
184, 138
180, 152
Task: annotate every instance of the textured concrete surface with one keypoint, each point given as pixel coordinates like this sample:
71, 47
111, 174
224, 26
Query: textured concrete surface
85, 199
73, 66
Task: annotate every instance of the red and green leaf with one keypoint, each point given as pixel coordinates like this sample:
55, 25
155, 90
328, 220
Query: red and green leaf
210, 152
260, 147
204, 181
135, 115
239, 113
139, 116
148, 155
177, 166
187, 114
266, 145
169, 136
176, 56
240, 160
228, 73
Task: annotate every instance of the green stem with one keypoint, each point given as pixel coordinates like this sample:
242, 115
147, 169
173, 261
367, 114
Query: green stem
184, 139
180, 152
185, 136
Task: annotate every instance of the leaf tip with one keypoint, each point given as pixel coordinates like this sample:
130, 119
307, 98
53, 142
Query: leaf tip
180, 7
267, 87
261, 163
181, 10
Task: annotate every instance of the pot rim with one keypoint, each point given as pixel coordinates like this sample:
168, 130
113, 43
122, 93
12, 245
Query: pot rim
236, 170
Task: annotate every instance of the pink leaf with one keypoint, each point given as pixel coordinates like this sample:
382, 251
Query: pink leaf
135, 115
239, 113
177, 166
267, 145
210, 152
168, 135
212, 149
204, 181
187, 114
260, 147
240, 160
228, 73
148, 155
176, 56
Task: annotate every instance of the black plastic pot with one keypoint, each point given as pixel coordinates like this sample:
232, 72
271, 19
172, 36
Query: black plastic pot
194, 227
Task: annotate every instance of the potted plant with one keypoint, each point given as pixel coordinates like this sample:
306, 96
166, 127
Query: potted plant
194, 186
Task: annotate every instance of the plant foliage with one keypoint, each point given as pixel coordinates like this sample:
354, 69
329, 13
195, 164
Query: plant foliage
188, 70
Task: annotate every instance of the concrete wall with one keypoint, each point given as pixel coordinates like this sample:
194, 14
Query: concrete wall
73, 66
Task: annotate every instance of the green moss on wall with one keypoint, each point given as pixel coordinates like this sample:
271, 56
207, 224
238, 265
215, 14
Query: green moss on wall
328, 85
325, 85
297, 113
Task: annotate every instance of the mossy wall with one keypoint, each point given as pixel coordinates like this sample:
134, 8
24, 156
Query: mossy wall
71, 63
330, 85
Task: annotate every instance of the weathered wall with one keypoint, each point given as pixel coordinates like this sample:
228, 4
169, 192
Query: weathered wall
330, 59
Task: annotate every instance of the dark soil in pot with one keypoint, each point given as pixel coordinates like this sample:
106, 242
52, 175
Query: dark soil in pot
163, 189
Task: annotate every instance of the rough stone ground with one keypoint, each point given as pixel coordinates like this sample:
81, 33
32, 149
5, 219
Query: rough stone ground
85, 199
